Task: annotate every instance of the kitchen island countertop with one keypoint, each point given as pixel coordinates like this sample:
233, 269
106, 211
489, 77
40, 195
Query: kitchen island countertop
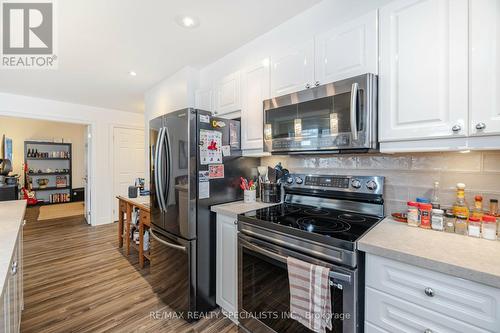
11, 221
466, 257
233, 209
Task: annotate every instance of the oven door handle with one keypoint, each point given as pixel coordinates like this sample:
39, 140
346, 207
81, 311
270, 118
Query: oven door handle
354, 111
283, 259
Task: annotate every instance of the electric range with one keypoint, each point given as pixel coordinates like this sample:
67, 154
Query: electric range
320, 221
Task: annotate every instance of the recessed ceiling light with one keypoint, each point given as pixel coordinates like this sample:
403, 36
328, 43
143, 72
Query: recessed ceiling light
187, 21
132, 73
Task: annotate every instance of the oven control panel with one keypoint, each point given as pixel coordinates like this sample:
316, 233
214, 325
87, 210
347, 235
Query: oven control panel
357, 184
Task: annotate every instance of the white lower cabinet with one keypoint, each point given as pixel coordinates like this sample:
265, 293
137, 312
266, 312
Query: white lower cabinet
226, 294
404, 298
11, 303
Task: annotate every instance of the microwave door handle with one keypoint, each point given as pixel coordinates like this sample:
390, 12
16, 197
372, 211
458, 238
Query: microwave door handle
157, 168
354, 111
283, 259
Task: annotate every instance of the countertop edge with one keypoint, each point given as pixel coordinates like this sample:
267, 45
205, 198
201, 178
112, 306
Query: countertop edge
233, 209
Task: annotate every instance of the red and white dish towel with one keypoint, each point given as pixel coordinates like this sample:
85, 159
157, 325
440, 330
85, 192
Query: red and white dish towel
310, 297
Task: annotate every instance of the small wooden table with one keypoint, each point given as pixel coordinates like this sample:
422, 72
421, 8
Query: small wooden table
125, 208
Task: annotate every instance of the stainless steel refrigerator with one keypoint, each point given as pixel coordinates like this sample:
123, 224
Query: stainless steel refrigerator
196, 162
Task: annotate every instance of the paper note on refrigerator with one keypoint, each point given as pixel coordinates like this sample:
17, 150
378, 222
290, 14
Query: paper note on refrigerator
210, 147
203, 184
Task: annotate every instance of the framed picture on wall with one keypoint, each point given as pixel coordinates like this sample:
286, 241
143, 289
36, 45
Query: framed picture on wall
7, 148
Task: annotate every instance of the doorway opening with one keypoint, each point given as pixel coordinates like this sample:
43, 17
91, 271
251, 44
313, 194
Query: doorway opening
49, 166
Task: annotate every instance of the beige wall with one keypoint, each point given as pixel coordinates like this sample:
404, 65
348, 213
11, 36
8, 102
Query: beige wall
408, 176
20, 129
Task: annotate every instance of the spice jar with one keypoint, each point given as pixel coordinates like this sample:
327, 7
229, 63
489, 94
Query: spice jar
474, 227
425, 215
437, 219
449, 222
461, 225
412, 214
489, 227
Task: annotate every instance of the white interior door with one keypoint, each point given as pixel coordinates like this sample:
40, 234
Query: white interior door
128, 160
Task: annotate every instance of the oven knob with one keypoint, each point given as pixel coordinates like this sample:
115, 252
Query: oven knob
371, 185
356, 183
289, 180
298, 180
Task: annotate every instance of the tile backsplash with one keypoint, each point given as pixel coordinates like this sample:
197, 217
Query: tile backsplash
408, 176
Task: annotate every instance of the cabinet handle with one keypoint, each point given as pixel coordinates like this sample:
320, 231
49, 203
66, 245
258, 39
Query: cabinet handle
24, 223
480, 126
429, 292
428, 330
235, 222
456, 128
14, 268
308, 86
316, 83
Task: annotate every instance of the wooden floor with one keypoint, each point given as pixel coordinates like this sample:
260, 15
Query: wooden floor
77, 280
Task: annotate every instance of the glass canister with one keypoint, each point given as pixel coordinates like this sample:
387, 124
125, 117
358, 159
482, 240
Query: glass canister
412, 214
474, 227
437, 219
425, 215
489, 227
449, 222
461, 225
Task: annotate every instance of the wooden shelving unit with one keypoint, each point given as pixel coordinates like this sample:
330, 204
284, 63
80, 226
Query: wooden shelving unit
52, 163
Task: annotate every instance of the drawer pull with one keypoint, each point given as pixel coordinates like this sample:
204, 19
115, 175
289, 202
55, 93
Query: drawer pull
429, 292
428, 330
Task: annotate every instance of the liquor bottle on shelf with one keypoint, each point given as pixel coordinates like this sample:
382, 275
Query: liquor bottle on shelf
460, 206
435, 196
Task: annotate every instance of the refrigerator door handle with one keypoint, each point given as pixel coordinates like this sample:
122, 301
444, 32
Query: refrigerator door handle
172, 245
169, 164
160, 182
156, 168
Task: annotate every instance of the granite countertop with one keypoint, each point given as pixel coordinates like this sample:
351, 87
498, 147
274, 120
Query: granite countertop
11, 221
239, 207
466, 257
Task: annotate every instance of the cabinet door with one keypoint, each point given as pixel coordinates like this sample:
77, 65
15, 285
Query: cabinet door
423, 69
255, 83
293, 70
228, 94
203, 99
227, 263
347, 51
484, 67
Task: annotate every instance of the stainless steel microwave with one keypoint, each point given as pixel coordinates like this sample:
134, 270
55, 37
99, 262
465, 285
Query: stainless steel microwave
338, 117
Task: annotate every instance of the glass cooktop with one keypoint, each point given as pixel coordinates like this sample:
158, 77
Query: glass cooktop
337, 224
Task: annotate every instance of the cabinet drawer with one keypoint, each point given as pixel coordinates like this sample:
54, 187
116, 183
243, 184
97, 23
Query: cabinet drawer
398, 316
464, 300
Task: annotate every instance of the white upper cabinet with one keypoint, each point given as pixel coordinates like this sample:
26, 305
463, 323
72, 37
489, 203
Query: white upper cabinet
484, 67
255, 89
227, 92
293, 70
348, 50
203, 99
423, 85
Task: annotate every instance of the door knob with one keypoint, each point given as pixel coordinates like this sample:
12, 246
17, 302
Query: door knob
429, 292
308, 86
480, 126
456, 128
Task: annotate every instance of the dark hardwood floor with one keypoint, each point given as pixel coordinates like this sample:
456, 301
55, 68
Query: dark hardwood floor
77, 280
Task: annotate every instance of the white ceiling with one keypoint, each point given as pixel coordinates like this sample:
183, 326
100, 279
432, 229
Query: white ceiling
100, 41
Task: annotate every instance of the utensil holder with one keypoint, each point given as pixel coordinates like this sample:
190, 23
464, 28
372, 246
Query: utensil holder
249, 196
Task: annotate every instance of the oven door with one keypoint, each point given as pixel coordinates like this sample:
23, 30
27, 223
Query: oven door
332, 117
264, 296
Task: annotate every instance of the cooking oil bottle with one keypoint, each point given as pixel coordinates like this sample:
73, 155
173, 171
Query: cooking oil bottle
460, 206
477, 211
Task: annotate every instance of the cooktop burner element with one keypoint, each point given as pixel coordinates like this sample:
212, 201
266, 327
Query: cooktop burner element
351, 218
316, 211
324, 225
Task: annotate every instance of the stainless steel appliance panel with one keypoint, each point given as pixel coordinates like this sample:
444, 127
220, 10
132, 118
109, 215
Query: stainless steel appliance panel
173, 271
335, 117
